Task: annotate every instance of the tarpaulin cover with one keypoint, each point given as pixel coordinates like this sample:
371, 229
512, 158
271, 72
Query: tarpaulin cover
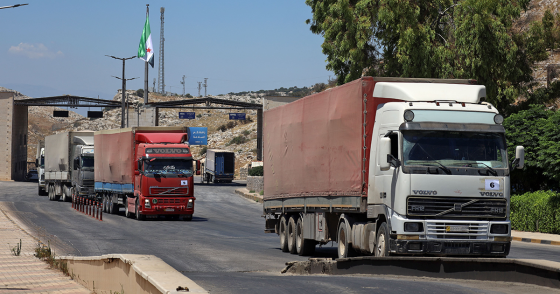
58, 148
313, 146
114, 154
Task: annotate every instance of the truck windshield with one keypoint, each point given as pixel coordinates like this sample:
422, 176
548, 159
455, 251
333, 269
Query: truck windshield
169, 166
87, 162
454, 149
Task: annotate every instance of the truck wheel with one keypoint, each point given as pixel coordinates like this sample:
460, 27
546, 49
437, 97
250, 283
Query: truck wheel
65, 197
292, 235
283, 232
382, 246
49, 192
303, 246
55, 197
105, 203
343, 237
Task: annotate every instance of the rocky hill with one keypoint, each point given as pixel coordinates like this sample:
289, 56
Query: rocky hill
237, 136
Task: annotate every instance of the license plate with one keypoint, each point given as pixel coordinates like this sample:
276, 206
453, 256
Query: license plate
170, 209
463, 229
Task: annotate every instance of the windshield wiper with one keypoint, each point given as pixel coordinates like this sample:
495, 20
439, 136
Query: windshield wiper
444, 168
493, 171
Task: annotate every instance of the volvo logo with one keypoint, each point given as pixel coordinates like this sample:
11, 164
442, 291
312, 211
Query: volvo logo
498, 194
424, 192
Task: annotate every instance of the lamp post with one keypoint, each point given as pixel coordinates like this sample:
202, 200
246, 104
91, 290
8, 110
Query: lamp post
123, 86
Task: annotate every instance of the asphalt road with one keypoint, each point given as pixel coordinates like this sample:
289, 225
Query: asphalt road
224, 248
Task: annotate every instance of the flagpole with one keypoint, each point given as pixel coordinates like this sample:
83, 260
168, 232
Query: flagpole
146, 66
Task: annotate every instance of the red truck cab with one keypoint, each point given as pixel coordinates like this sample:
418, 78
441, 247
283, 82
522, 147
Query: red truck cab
163, 176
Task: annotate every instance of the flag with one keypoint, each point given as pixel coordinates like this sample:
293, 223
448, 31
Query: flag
146, 49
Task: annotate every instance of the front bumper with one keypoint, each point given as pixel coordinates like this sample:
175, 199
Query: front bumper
448, 247
163, 208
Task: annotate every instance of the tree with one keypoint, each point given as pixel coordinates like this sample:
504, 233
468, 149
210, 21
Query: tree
429, 39
140, 92
537, 129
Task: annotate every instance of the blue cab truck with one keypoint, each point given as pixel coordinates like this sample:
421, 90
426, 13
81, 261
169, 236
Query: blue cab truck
219, 166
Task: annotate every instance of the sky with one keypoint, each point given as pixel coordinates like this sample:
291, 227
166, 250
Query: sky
52, 48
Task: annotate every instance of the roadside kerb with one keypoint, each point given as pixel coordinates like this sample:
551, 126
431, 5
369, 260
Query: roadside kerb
253, 196
529, 271
130, 273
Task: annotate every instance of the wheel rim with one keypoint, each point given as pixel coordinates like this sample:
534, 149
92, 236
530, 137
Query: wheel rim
342, 243
381, 245
282, 233
299, 237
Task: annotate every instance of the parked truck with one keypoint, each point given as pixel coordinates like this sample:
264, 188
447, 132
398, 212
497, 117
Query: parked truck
69, 160
40, 164
389, 166
219, 166
146, 170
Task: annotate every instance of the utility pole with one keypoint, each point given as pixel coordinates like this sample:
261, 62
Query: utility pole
123, 91
199, 87
183, 82
154, 88
205, 85
161, 68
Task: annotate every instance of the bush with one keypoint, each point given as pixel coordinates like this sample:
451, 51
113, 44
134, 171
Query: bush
238, 140
231, 124
536, 212
246, 132
222, 128
203, 151
199, 115
256, 171
140, 92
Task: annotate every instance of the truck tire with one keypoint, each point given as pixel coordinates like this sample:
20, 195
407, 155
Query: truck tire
343, 236
292, 235
382, 246
50, 192
105, 203
65, 197
304, 246
283, 233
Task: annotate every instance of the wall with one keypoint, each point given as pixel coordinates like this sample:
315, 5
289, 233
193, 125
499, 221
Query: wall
255, 184
13, 139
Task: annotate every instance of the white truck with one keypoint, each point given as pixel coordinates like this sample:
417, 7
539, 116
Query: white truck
69, 160
40, 164
389, 166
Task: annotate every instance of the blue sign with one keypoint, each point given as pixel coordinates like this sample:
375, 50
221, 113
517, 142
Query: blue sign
186, 115
238, 116
198, 135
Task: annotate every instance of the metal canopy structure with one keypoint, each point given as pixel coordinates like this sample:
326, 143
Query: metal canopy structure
68, 101
207, 103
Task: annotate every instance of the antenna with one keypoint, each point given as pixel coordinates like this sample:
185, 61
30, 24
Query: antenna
199, 87
205, 85
161, 69
183, 82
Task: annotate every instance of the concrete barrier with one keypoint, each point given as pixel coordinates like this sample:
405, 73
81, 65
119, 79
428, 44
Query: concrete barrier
128, 273
529, 271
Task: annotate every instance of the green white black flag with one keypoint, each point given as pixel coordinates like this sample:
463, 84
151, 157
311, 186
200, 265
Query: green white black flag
146, 49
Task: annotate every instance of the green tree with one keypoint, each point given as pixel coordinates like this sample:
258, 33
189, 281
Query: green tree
548, 27
429, 39
538, 130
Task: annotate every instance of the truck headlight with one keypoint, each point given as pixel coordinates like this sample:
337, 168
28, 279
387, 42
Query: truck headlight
498, 119
499, 229
408, 115
147, 203
413, 227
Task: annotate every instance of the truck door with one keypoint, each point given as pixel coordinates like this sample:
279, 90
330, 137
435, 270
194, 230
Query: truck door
385, 180
219, 159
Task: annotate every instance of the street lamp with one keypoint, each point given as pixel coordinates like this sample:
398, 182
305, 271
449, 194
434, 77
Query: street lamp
123, 85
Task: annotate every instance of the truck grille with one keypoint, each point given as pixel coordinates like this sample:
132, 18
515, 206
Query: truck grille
88, 182
448, 230
157, 191
454, 207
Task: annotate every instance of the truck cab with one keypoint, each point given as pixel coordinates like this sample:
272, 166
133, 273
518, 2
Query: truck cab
40, 163
83, 173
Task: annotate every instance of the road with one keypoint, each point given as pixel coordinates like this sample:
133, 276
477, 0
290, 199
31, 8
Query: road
224, 248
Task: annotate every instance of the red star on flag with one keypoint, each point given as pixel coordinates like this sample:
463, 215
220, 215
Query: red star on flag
148, 50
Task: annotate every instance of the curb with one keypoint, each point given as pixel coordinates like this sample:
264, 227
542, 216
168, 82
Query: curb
252, 196
538, 241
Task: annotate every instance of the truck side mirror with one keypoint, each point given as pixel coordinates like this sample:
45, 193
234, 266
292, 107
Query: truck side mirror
139, 167
384, 150
76, 163
519, 161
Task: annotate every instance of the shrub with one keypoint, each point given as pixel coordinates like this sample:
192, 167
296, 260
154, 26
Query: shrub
238, 140
256, 171
140, 92
536, 211
246, 132
231, 124
199, 115
203, 151
222, 128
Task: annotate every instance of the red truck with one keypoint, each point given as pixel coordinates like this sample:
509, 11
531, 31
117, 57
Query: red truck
146, 170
